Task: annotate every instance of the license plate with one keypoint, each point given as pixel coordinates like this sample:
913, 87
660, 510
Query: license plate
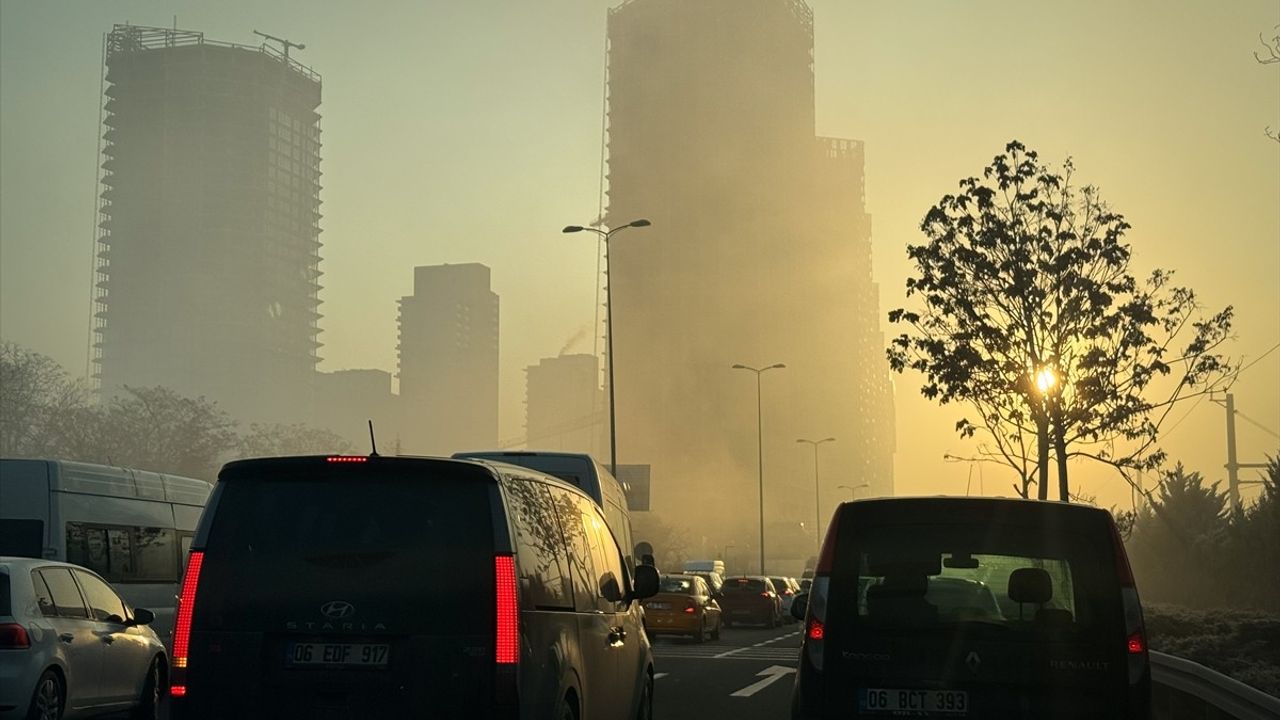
658, 606
338, 655
951, 703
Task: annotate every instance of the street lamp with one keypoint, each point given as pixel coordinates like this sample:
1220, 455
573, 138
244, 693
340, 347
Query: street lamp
608, 325
817, 512
853, 491
760, 444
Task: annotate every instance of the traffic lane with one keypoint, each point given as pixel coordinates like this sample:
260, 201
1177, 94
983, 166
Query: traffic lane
749, 672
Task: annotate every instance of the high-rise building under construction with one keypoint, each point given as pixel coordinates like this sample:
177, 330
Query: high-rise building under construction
208, 246
759, 253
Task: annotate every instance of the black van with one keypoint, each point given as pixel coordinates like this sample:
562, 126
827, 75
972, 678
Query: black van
972, 608
354, 586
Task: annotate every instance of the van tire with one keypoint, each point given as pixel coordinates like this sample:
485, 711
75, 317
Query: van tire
644, 709
49, 698
567, 710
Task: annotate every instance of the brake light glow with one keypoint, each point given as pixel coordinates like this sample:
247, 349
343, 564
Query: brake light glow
346, 459
688, 611
14, 637
182, 623
1137, 644
508, 635
816, 629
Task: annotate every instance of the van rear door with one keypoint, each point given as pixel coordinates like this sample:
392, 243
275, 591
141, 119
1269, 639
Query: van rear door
347, 590
949, 610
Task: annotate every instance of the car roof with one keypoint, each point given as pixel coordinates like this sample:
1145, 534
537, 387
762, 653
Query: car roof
897, 510
25, 563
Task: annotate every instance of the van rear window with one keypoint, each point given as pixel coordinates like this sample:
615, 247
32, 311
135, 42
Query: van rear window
407, 552
1017, 577
735, 585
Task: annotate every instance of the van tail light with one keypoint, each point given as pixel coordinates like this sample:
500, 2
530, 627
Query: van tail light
182, 624
816, 629
508, 635
14, 637
1135, 630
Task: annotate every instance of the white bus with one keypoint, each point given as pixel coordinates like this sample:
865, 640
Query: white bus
130, 526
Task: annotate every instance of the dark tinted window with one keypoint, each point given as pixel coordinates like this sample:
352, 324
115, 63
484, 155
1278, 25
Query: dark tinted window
737, 585
43, 599
283, 545
104, 604
154, 554
677, 584
6, 605
66, 596
780, 584
124, 553
582, 570
543, 569
22, 538
1021, 577
576, 471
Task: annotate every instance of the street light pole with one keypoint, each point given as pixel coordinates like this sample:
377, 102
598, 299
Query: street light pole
817, 502
853, 491
608, 324
760, 444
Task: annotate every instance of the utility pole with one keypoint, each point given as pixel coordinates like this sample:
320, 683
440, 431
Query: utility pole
1233, 465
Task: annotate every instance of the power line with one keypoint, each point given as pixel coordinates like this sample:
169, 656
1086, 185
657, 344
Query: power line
1257, 424
1258, 359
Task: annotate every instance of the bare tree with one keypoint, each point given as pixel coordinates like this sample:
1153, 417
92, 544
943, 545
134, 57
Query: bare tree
1270, 55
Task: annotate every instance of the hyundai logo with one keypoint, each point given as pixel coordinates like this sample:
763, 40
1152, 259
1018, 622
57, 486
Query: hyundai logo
337, 609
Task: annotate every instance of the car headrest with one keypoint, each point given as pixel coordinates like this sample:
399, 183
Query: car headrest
1030, 585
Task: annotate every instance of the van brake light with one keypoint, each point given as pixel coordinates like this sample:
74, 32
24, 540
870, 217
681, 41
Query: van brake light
507, 650
1137, 644
346, 459
182, 623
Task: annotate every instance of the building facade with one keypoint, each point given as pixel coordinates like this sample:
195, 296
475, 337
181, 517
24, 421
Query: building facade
565, 406
759, 253
208, 246
449, 361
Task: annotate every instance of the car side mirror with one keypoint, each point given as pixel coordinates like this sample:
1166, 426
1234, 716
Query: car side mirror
646, 584
799, 606
142, 616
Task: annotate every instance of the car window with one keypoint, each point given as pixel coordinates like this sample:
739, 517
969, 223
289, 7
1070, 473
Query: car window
744, 585
104, 604
21, 538
677, 585
582, 570
543, 568
6, 606
610, 578
66, 596
43, 599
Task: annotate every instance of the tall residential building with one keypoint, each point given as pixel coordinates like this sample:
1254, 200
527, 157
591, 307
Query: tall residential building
208, 248
564, 406
759, 253
449, 361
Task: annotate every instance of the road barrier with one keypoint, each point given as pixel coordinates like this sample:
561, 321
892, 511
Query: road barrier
1186, 690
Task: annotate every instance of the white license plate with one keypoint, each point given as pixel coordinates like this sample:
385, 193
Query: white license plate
658, 606
338, 654
929, 702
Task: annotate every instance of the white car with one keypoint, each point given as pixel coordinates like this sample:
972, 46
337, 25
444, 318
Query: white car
70, 647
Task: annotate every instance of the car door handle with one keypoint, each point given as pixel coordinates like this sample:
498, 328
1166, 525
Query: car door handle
617, 636
66, 638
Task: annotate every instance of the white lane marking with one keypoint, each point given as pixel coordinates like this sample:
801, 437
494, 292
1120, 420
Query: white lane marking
659, 676
770, 674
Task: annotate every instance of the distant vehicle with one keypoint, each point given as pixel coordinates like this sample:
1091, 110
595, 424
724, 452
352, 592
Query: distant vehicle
314, 589
71, 647
683, 606
715, 566
714, 580
132, 527
750, 599
969, 607
583, 472
786, 589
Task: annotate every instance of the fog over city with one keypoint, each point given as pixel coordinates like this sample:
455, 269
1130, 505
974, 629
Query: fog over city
781, 195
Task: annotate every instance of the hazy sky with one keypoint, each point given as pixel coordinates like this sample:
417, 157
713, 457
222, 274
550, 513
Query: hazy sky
470, 131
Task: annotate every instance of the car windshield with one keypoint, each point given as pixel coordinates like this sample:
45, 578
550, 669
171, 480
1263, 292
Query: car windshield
677, 585
1009, 576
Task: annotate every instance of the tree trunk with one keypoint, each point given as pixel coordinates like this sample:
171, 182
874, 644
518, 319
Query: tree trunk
1042, 456
1060, 449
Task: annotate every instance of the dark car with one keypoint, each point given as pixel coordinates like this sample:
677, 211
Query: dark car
966, 607
314, 590
750, 599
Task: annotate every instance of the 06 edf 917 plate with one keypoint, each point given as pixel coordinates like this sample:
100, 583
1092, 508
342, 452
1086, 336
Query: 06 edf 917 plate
338, 655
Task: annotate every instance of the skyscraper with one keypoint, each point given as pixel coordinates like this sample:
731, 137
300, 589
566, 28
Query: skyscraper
449, 360
759, 253
564, 405
208, 248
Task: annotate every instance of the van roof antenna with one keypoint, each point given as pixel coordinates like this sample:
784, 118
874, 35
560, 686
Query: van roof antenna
373, 444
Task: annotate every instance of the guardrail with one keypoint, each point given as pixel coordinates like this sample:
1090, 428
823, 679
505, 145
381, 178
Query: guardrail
1186, 690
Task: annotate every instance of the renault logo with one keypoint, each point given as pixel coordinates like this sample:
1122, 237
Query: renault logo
337, 609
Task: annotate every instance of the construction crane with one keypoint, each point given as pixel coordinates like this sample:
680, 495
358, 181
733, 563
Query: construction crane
285, 44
